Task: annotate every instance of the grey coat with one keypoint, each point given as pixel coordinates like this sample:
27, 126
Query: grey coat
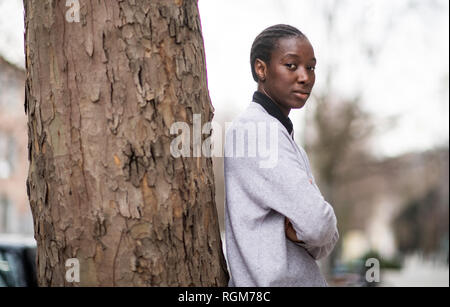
260, 194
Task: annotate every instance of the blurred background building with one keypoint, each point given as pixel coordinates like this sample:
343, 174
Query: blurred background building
15, 214
376, 129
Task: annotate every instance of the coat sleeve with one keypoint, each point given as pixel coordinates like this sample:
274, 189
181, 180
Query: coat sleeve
286, 188
322, 251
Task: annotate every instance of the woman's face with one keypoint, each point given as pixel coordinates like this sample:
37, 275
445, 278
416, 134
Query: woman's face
289, 77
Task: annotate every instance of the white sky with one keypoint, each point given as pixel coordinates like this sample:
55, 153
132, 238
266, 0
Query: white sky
11, 31
409, 80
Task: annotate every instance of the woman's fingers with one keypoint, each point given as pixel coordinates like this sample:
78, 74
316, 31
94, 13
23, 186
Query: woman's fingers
291, 234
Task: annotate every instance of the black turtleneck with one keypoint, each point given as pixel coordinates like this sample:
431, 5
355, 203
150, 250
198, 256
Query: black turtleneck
273, 109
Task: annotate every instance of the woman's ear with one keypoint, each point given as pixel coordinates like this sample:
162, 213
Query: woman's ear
261, 70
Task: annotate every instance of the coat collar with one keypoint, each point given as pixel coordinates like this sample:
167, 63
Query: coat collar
273, 110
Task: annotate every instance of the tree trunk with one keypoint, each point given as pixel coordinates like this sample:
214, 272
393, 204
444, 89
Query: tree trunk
101, 96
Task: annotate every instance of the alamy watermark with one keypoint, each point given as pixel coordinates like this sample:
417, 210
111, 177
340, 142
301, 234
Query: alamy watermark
73, 270
73, 13
373, 273
249, 140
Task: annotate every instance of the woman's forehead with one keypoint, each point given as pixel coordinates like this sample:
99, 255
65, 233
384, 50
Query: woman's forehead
293, 47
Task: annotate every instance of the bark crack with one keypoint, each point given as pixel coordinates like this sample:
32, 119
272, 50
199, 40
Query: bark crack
115, 258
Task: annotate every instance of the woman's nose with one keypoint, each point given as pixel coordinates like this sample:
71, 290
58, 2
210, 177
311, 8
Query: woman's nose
302, 76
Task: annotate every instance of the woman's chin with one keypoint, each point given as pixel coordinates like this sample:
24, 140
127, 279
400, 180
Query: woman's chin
298, 104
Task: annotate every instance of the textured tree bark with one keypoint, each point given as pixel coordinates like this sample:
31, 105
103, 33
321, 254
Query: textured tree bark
101, 96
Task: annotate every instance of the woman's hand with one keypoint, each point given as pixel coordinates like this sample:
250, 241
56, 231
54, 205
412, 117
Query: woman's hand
290, 232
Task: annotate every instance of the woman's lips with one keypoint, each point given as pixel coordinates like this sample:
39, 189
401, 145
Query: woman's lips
301, 95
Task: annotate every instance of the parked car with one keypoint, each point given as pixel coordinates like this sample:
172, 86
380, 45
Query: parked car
17, 261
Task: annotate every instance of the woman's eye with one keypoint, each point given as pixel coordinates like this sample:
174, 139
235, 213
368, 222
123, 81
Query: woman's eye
291, 66
311, 68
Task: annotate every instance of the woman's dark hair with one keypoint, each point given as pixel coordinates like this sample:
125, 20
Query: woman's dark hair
266, 42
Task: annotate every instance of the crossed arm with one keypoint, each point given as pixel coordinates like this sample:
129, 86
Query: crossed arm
315, 252
289, 229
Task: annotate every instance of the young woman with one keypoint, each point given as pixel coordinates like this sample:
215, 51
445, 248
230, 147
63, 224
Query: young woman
277, 224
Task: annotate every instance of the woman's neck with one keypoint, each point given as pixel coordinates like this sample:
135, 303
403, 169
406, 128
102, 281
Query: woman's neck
285, 110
